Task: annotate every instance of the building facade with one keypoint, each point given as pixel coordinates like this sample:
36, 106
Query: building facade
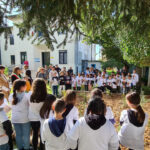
70, 55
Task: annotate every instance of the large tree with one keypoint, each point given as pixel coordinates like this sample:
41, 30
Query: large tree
124, 24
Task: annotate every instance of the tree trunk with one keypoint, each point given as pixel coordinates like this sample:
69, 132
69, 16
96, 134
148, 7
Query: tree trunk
149, 77
139, 72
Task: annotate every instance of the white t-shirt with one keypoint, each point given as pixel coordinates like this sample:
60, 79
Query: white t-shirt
109, 114
99, 83
129, 82
74, 82
136, 76
123, 81
109, 82
20, 110
129, 135
103, 138
114, 85
34, 109
73, 115
79, 81
3, 118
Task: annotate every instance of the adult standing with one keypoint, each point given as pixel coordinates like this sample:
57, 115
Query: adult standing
57, 69
70, 71
4, 83
16, 74
41, 74
68, 81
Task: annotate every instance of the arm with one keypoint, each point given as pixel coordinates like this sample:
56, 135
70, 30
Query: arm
8, 129
76, 116
43, 134
73, 136
122, 117
114, 141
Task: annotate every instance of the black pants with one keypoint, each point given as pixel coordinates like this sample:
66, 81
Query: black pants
86, 87
35, 125
109, 88
78, 88
68, 86
102, 88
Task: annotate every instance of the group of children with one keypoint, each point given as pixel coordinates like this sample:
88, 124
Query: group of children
115, 82
59, 124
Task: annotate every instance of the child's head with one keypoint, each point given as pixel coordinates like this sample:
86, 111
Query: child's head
96, 106
79, 74
96, 93
133, 100
70, 97
1, 98
47, 106
129, 76
62, 73
99, 74
18, 86
124, 77
39, 91
59, 106
28, 73
110, 77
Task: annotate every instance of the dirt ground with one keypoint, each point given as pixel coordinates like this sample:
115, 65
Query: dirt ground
117, 103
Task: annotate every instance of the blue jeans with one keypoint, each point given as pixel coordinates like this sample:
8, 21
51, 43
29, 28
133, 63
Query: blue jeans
4, 147
55, 90
22, 135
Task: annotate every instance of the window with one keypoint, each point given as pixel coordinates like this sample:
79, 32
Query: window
63, 57
12, 57
11, 39
23, 56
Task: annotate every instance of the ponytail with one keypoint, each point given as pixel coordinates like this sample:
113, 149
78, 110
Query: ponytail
16, 87
15, 99
134, 98
140, 114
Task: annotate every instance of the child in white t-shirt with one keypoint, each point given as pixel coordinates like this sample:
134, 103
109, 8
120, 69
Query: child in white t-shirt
123, 85
20, 108
86, 82
74, 82
71, 113
133, 122
6, 142
114, 84
109, 114
79, 81
93, 131
53, 131
109, 83
129, 83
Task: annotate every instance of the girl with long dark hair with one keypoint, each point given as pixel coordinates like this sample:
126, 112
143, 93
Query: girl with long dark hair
37, 98
93, 131
20, 108
133, 122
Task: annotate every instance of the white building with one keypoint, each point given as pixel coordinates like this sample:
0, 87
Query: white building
74, 54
